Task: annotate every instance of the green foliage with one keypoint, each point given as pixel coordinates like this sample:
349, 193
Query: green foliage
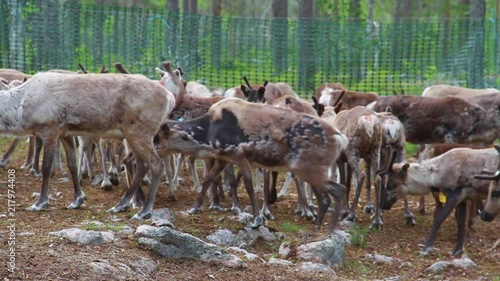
411, 149
290, 227
358, 235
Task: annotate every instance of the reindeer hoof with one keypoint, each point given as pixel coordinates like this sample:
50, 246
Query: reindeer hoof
141, 216
119, 208
426, 251
146, 181
137, 204
76, 204
34, 173
38, 206
195, 211
256, 223
376, 226
457, 252
106, 185
217, 208
236, 210
172, 198
25, 166
369, 208
351, 217
267, 214
115, 181
410, 220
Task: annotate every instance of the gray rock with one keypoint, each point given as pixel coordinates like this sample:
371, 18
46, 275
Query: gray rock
247, 255
171, 243
330, 251
315, 267
223, 237
280, 262
164, 213
162, 222
464, 263
139, 268
77, 235
284, 249
248, 236
344, 235
379, 258
126, 230
392, 278
439, 266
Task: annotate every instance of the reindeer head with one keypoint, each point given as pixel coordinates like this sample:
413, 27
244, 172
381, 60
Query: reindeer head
492, 207
251, 94
394, 176
172, 80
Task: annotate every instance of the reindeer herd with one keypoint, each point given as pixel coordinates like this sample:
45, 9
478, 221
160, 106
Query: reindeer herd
151, 126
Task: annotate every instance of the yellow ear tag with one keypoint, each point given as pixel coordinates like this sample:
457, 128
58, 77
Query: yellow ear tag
442, 197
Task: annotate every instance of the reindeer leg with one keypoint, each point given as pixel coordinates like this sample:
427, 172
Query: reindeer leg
377, 220
409, 217
453, 198
284, 189
231, 179
113, 169
461, 228
369, 204
71, 159
265, 204
106, 183
245, 169
324, 202
34, 171
421, 205
172, 187
196, 179
216, 170
258, 180
216, 196
338, 192
57, 165
49, 143
354, 162
6, 157
125, 202
273, 195
302, 206
28, 163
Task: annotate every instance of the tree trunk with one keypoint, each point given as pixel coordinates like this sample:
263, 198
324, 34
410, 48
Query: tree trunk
16, 36
71, 37
306, 38
172, 7
194, 58
4, 29
476, 63
356, 42
216, 34
98, 34
401, 33
279, 33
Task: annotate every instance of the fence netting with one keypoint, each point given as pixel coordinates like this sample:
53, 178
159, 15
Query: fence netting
218, 51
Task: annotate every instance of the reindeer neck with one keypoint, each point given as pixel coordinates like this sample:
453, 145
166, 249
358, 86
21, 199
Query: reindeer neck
10, 111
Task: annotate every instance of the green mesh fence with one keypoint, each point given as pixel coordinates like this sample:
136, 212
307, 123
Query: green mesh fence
379, 57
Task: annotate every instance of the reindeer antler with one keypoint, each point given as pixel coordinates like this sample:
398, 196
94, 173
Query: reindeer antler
339, 98
394, 92
82, 68
495, 177
180, 70
387, 169
119, 66
167, 66
103, 69
248, 83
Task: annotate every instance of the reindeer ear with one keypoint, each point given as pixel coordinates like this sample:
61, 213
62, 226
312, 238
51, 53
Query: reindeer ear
160, 72
315, 100
265, 83
320, 109
245, 90
338, 107
261, 92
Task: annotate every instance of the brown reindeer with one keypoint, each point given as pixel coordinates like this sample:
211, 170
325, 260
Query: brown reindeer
492, 207
442, 90
56, 106
451, 173
350, 100
428, 120
260, 135
364, 131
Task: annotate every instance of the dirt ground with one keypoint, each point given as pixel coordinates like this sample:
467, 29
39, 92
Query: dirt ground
40, 256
